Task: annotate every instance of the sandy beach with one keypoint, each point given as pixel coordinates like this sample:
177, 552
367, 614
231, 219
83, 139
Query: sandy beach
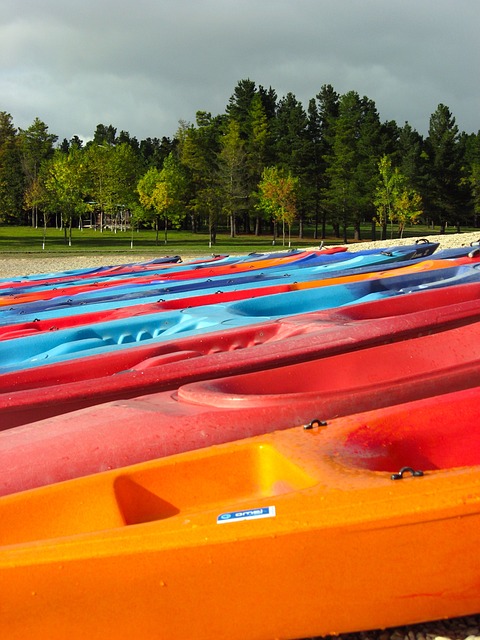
23, 264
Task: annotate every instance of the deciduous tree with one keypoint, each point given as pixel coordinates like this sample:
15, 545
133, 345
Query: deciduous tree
277, 197
162, 191
66, 187
395, 199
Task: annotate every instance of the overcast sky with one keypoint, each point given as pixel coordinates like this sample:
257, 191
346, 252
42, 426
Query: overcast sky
144, 65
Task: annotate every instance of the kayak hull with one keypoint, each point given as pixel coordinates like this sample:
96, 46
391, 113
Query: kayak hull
397, 551
207, 412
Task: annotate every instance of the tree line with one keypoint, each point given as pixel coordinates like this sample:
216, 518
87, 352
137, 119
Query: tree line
261, 166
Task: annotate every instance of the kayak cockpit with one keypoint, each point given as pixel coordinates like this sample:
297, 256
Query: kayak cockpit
420, 444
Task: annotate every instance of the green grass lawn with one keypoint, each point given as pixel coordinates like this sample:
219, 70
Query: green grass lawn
27, 240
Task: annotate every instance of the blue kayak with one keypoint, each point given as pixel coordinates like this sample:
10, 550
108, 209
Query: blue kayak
33, 351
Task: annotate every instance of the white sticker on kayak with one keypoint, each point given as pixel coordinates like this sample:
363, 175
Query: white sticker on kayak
246, 514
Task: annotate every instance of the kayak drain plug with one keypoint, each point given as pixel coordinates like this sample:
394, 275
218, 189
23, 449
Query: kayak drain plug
403, 470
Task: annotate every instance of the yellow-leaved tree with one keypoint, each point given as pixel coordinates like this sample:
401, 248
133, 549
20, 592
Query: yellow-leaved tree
277, 198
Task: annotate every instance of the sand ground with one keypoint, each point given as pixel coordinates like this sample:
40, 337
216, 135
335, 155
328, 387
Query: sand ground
13, 265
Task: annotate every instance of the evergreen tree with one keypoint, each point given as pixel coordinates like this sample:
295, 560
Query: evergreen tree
269, 101
104, 135
75, 141
352, 162
369, 147
153, 151
12, 180
125, 138
253, 109
445, 197
409, 156
238, 106
292, 147
327, 107
342, 193
471, 172
199, 149
233, 173
313, 167
258, 151
37, 146
64, 146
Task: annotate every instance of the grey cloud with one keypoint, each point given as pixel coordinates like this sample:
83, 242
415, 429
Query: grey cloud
143, 66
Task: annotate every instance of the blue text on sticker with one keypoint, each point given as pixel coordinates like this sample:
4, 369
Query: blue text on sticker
246, 514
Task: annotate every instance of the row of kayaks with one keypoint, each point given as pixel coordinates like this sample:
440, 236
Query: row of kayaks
289, 455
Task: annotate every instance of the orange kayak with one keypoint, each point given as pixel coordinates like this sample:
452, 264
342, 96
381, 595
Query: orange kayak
368, 522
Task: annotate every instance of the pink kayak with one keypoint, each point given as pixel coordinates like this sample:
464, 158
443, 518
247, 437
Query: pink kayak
40, 392
411, 365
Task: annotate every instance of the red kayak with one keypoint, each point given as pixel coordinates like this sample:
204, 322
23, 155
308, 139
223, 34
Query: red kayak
419, 363
71, 385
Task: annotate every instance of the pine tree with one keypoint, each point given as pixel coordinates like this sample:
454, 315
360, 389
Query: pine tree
12, 180
233, 173
328, 111
292, 148
37, 145
445, 197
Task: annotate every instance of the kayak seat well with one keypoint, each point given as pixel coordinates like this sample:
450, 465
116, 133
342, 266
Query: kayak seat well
249, 472
431, 446
154, 493
381, 369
